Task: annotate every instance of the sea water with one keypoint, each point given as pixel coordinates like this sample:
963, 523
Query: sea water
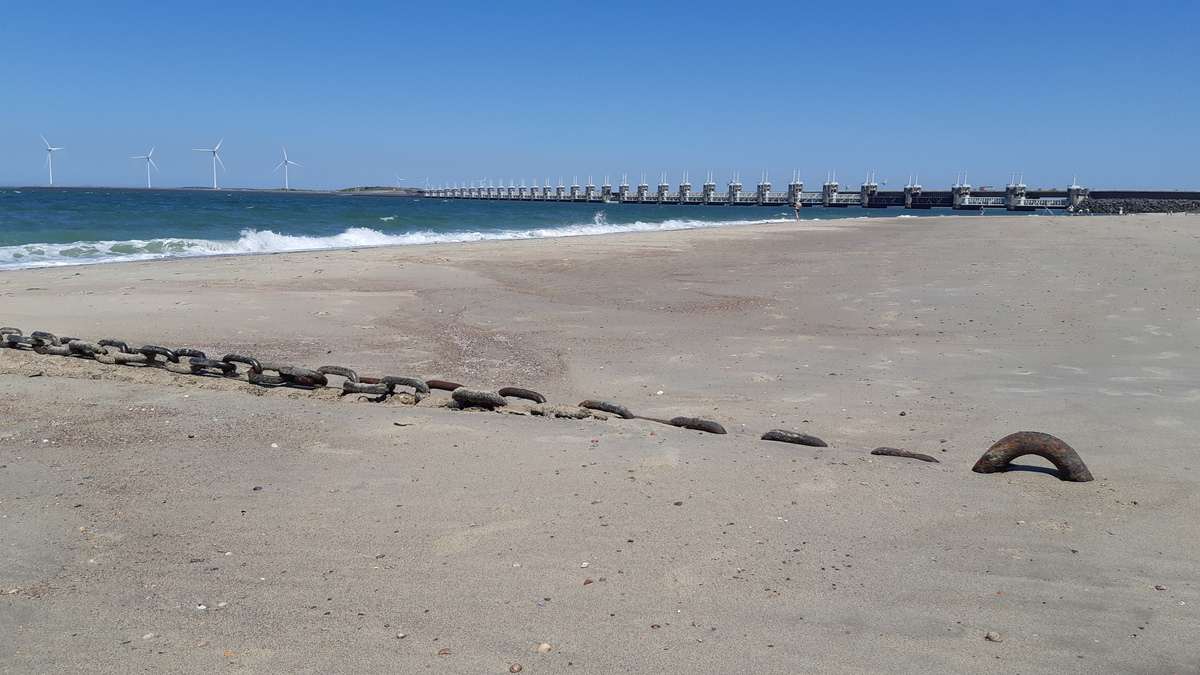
42, 227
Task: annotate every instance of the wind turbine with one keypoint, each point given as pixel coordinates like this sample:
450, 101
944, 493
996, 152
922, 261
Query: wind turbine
149, 157
50, 150
285, 164
400, 180
215, 158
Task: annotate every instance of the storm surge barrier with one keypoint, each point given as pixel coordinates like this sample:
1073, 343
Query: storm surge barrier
1015, 196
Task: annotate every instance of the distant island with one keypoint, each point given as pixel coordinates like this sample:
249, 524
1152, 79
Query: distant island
383, 190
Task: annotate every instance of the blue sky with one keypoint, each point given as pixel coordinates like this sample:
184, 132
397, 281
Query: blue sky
457, 91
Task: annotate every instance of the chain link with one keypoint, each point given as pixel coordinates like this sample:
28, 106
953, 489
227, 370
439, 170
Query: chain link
267, 374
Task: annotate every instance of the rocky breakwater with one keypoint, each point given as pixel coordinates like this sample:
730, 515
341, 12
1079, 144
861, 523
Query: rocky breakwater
1137, 205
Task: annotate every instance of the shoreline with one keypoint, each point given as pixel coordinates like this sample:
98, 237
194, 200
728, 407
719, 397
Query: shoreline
566, 232
506, 235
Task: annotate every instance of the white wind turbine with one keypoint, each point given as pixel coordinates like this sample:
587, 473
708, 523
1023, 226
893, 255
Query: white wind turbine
50, 150
285, 164
400, 180
215, 159
149, 157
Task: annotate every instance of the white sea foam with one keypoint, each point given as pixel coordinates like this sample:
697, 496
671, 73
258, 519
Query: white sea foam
266, 241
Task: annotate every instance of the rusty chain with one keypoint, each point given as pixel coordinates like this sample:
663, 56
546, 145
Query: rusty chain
256, 372
191, 361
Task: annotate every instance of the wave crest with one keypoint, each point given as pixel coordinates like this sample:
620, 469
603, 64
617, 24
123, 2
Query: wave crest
266, 241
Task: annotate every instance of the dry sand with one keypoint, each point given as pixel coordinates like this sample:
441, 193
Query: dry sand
155, 522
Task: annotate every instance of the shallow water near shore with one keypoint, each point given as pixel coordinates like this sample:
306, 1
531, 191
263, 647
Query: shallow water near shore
41, 227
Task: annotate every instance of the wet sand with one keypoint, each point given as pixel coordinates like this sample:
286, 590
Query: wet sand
151, 521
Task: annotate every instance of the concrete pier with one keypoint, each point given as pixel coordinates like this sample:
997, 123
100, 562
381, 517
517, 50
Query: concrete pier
1076, 194
866, 195
795, 192
959, 192
913, 197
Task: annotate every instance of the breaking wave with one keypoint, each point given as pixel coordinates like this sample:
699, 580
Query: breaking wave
265, 241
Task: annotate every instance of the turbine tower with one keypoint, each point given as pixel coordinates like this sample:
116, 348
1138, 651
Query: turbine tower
50, 150
149, 157
215, 159
285, 164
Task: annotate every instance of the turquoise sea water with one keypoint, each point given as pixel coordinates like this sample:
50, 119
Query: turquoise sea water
46, 227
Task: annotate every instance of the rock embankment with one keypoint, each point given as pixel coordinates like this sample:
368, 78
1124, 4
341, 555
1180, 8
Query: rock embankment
1138, 205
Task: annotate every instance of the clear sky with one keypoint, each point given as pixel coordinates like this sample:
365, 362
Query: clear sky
458, 91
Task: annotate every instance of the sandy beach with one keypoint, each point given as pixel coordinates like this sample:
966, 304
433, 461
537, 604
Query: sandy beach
168, 523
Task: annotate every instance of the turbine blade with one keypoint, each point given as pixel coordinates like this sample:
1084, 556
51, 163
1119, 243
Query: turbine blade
202, 149
151, 160
219, 145
151, 153
277, 167
219, 161
45, 141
